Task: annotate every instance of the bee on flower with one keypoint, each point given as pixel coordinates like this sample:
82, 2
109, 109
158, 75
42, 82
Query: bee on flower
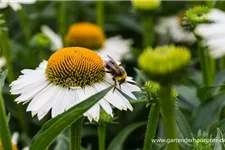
70, 76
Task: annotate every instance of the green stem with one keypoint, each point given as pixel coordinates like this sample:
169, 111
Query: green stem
61, 19
203, 62
212, 70
153, 118
42, 54
222, 63
4, 129
100, 13
9, 65
101, 137
209, 3
75, 135
24, 24
148, 34
167, 108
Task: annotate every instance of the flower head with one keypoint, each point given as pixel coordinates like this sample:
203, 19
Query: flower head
146, 5
85, 35
15, 4
69, 76
164, 64
195, 16
213, 33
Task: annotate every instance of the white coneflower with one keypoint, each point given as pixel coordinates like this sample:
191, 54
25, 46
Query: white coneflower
170, 26
91, 36
70, 76
15, 4
213, 34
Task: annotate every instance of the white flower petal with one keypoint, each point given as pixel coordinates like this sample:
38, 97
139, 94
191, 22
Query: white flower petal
115, 47
213, 34
27, 1
3, 5
59, 105
216, 15
42, 98
15, 138
15, 6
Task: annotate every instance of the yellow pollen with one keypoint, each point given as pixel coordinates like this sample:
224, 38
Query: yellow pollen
75, 66
86, 35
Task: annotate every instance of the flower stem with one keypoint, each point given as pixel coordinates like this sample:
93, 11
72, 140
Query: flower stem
203, 62
151, 126
7, 54
222, 63
100, 13
61, 19
148, 34
24, 24
75, 135
101, 137
167, 108
4, 129
210, 4
212, 70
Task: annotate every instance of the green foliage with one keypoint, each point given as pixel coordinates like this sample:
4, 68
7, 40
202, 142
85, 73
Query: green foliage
58, 124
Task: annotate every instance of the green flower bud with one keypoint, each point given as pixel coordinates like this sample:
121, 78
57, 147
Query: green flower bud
41, 40
105, 118
152, 89
202, 142
195, 16
146, 5
165, 64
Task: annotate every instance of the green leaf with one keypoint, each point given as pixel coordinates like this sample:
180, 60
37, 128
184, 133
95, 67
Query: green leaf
219, 138
4, 129
141, 76
117, 142
55, 126
187, 97
220, 124
3, 76
183, 125
204, 93
62, 142
208, 112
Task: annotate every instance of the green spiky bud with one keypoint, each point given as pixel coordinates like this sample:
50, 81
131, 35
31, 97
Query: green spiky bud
105, 119
202, 142
195, 16
152, 89
146, 5
165, 64
41, 40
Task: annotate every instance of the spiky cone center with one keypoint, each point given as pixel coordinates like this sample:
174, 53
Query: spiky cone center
14, 147
146, 5
75, 67
86, 35
165, 64
195, 16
